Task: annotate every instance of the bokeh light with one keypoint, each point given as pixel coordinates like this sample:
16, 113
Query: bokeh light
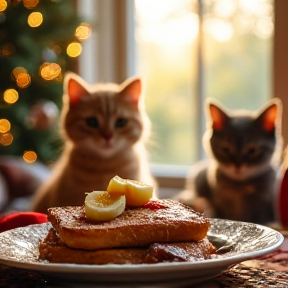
50, 71
83, 31
7, 49
23, 80
21, 76
30, 3
57, 49
4, 125
74, 49
3, 5
10, 96
49, 55
16, 71
6, 139
29, 156
35, 19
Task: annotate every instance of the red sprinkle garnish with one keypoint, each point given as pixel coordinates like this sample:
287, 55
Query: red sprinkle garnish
153, 205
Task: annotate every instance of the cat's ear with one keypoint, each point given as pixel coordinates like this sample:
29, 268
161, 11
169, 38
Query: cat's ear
270, 115
131, 90
74, 87
217, 115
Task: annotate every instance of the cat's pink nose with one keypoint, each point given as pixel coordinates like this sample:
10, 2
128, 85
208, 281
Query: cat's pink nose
107, 136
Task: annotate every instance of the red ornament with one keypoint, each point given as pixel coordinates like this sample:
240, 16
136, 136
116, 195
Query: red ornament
43, 115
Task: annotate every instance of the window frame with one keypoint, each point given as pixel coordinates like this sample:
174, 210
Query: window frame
280, 61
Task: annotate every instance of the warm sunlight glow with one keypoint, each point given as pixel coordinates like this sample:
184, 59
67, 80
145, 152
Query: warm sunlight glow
173, 32
10, 96
225, 8
199, 48
250, 6
35, 19
4, 125
6, 139
3, 5
155, 10
159, 23
74, 49
172, 23
263, 28
83, 31
50, 71
243, 16
221, 30
29, 156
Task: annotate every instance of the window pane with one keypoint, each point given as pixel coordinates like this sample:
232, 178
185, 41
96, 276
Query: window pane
236, 49
165, 34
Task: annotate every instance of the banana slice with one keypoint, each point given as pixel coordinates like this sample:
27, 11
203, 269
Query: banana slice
137, 193
117, 186
103, 206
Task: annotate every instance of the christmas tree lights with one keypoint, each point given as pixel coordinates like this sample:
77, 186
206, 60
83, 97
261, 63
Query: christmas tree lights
39, 42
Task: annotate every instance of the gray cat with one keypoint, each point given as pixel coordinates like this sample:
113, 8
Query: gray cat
238, 181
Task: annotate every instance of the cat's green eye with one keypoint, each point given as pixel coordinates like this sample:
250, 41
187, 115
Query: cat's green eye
92, 122
121, 122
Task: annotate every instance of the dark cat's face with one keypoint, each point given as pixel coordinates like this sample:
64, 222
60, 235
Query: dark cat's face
103, 119
243, 143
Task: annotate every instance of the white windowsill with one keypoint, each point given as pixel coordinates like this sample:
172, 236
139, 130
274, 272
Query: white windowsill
170, 178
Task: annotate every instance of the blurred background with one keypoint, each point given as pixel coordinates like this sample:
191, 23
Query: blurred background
185, 51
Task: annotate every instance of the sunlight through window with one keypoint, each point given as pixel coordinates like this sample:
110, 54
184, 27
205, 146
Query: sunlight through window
236, 47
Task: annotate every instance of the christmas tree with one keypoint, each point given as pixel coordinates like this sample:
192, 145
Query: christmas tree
39, 41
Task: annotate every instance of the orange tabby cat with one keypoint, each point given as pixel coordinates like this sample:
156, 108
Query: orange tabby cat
104, 127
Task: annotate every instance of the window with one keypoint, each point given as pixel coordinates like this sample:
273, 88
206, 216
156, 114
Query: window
233, 65
185, 50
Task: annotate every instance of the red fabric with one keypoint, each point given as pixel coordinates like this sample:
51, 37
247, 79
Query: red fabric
283, 200
279, 254
21, 219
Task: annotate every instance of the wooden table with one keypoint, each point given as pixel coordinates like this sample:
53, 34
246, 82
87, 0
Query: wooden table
267, 271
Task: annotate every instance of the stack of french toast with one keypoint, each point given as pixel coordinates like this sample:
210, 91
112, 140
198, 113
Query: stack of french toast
161, 230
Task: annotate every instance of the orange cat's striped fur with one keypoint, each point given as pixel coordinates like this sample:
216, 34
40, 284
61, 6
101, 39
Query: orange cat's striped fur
104, 127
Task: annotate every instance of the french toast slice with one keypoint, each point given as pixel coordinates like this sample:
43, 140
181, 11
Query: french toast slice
54, 250
161, 220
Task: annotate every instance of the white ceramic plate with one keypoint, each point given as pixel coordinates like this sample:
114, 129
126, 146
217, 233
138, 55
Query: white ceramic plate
237, 241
